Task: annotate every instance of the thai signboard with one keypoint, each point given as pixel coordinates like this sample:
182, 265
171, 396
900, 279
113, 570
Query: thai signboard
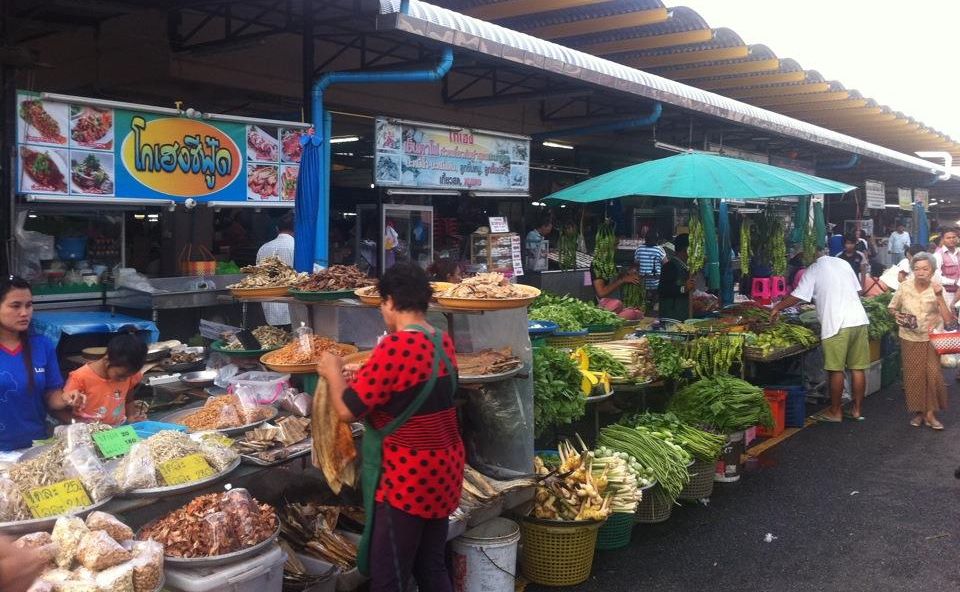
85, 150
427, 156
876, 194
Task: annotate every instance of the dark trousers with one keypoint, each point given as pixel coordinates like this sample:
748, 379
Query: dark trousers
403, 544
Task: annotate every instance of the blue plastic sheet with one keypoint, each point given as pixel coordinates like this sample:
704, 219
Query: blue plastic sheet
55, 324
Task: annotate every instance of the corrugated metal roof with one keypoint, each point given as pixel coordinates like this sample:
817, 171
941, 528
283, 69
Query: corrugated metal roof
461, 31
604, 27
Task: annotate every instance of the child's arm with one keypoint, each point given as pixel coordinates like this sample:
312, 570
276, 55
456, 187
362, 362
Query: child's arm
135, 410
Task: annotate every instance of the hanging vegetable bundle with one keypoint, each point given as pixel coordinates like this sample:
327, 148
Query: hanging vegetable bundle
634, 295
567, 248
604, 252
809, 244
714, 355
778, 248
697, 251
745, 254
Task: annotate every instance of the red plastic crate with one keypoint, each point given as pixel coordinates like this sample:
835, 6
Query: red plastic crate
777, 399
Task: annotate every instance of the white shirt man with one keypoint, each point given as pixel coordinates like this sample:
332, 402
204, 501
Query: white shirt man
277, 314
899, 242
948, 266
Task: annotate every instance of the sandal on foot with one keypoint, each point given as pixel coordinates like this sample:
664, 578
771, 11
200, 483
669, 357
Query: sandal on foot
935, 425
823, 417
850, 415
916, 421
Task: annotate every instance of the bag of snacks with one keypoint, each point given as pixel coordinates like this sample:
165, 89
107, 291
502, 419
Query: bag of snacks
116, 579
67, 534
109, 523
137, 470
220, 457
42, 542
230, 417
242, 512
147, 565
97, 551
42, 586
83, 464
216, 533
78, 586
12, 506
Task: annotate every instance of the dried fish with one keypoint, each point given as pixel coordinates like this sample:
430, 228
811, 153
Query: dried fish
486, 286
336, 278
311, 528
485, 362
293, 354
269, 273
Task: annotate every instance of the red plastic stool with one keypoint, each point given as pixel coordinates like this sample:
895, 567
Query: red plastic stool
760, 290
778, 288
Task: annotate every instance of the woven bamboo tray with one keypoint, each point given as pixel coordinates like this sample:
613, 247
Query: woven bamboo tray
308, 368
241, 293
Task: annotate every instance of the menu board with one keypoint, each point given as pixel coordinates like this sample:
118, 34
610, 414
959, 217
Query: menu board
420, 155
76, 149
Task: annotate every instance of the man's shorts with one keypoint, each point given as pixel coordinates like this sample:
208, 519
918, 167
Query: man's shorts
847, 350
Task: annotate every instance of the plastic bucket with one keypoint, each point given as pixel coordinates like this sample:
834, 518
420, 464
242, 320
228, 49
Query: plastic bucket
485, 557
728, 467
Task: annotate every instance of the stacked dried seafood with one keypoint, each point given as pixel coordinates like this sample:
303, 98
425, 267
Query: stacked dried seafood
311, 529
478, 490
486, 362
485, 286
214, 524
270, 273
292, 354
268, 337
336, 278
271, 443
97, 555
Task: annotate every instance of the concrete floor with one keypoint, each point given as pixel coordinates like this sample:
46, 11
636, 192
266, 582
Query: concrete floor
869, 505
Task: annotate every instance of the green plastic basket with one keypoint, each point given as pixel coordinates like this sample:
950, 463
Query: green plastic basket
615, 532
557, 553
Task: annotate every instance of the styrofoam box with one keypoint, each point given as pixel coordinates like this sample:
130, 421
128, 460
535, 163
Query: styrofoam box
263, 573
872, 374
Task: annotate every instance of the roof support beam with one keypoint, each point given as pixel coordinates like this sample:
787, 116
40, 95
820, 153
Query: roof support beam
825, 97
724, 69
867, 114
776, 91
639, 18
805, 109
648, 42
511, 8
749, 81
688, 57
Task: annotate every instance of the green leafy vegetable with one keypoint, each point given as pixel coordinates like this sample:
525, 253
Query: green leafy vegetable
723, 403
557, 398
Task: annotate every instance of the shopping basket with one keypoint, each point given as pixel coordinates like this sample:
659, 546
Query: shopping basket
946, 343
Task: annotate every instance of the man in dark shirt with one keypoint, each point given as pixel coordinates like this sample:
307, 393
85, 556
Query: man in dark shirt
675, 282
851, 255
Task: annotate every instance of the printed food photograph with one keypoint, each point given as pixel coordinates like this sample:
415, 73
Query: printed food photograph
43, 170
262, 181
91, 127
91, 173
288, 182
46, 122
290, 144
262, 143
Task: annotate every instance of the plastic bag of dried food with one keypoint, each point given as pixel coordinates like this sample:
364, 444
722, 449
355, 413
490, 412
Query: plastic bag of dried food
83, 463
230, 417
56, 576
243, 513
42, 542
12, 506
295, 402
42, 586
78, 435
78, 586
220, 457
147, 565
97, 551
67, 534
109, 523
116, 579
137, 470
217, 534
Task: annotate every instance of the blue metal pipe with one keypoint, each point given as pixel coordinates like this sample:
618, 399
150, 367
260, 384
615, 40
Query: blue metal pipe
322, 121
613, 126
853, 161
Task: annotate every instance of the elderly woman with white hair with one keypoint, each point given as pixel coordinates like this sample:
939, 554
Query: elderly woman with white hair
920, 309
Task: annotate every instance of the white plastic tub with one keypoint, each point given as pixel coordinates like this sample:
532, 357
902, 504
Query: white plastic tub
263, 573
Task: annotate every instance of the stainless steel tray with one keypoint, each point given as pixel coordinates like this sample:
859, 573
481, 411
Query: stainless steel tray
218, 560
253, 460
179, 415
165, 490
487, 378
38, 524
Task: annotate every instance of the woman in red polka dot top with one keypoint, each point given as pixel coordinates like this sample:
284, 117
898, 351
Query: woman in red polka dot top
413, 453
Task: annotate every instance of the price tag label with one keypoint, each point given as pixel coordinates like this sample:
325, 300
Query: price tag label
57, 499
186, 470
116, 442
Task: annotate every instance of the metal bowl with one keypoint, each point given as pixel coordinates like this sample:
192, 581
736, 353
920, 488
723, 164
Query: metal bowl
225, 559
200, 378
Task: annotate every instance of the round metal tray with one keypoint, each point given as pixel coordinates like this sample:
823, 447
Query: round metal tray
488, 378
178, 415
218, 560
600, 398
38, 524
183, 487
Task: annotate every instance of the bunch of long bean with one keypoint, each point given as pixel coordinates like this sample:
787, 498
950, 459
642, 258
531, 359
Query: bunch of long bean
634, 295
700, 443
697, 250
668, 463
745, 246
604, 252
714, 355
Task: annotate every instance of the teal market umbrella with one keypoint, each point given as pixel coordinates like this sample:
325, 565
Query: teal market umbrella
695, 175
